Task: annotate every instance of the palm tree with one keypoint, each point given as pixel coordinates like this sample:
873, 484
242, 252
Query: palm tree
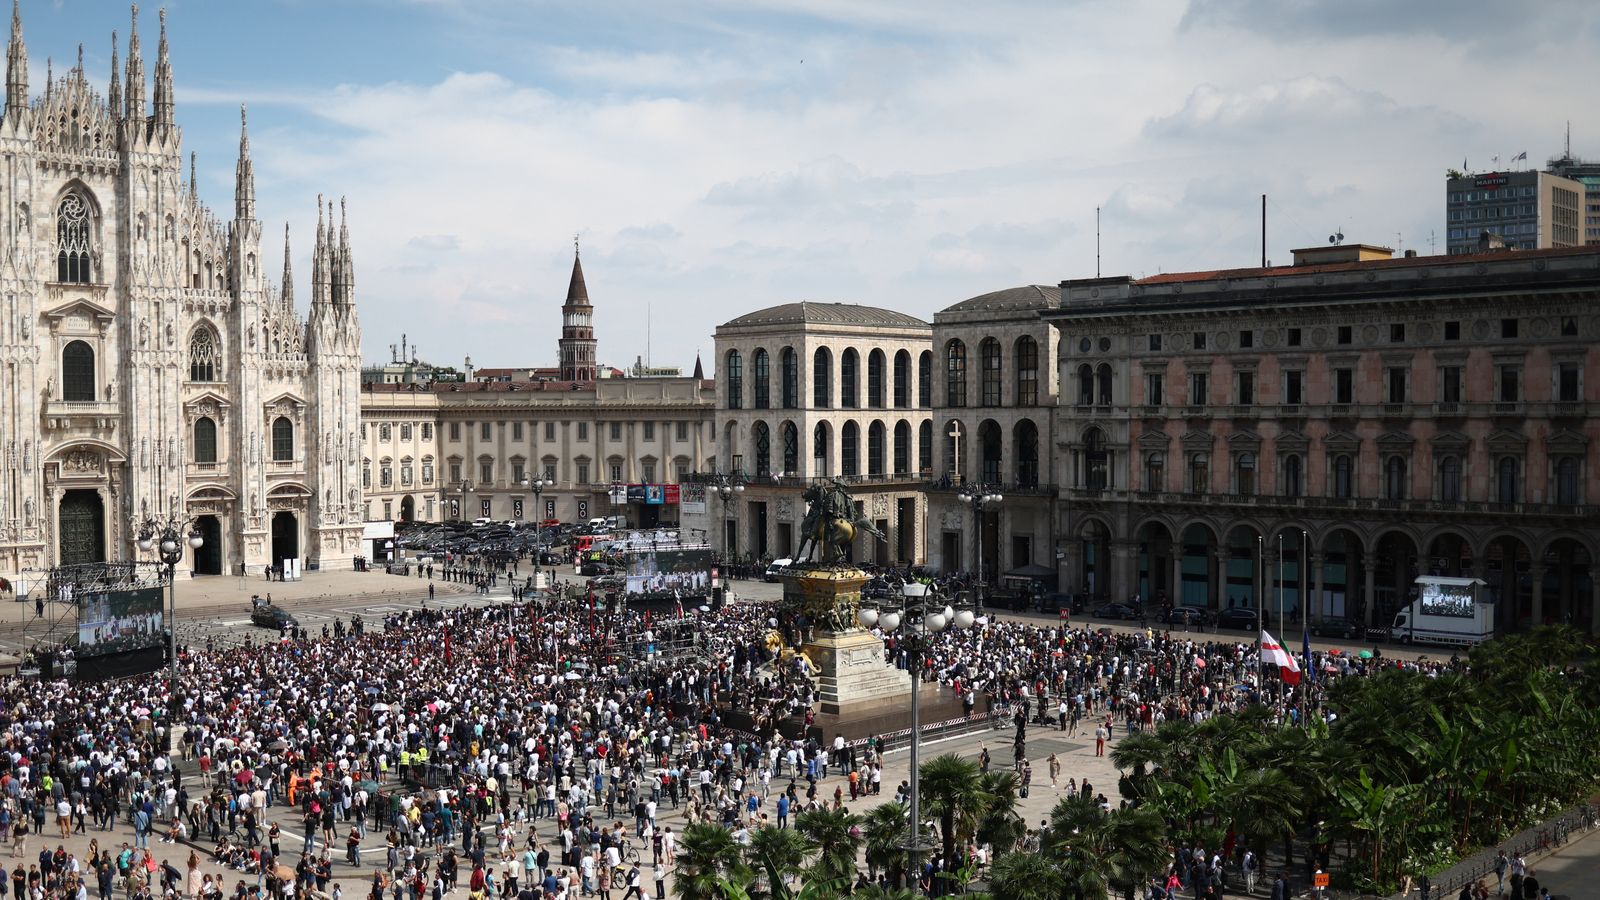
999, 825
778, 854
709, 865
884, 831
1026, 876
1099, 850
952, 791
1261, 804
836, 834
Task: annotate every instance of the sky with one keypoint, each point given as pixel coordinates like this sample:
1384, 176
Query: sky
718, 156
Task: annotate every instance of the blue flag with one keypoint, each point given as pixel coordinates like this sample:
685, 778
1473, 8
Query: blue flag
1305, 644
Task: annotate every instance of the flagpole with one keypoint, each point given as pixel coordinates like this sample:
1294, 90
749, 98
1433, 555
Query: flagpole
1281, 701
1305, 616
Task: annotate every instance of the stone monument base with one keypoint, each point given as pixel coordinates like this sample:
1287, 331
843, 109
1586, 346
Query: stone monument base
854, 679
852, 675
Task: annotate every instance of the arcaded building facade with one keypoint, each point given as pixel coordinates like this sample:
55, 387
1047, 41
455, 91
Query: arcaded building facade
812, 391
470, 450
994, 411
1326, 432
151, 369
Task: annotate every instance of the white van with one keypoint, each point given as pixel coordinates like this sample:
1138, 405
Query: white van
775, 569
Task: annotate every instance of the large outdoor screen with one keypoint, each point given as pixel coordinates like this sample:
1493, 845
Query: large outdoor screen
1446, 600
119, 621
669, 571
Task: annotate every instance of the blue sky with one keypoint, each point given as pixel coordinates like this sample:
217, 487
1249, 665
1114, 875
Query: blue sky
722, 155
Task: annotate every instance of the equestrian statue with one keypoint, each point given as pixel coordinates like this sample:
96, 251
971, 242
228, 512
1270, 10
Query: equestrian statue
831, 523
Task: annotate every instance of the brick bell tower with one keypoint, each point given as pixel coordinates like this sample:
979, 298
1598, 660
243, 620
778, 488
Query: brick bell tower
577, 345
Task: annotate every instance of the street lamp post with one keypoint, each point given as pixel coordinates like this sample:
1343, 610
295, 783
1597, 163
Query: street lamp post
982, 499
537, 486
925, 616
466, 488
726, 487
167, 537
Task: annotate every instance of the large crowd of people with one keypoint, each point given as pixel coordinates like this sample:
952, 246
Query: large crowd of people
516, 749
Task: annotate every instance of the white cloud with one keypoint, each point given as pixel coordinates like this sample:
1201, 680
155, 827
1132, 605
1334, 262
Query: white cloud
921, 154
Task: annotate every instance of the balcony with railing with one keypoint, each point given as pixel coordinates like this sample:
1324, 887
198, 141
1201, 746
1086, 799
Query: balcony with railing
1373, 411
1335, 505
99, 415
1004, 488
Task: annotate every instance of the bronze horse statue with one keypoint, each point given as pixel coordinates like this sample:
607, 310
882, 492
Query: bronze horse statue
831, 523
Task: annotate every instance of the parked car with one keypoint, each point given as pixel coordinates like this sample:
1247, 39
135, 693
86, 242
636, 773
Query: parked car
1337, 627
271, 616
1114, 611
1240, 617
775, 569
1187, 615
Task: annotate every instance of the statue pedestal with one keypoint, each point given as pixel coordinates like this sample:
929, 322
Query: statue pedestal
853, 677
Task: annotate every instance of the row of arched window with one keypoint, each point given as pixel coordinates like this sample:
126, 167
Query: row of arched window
205, 440
991, 373
887, 383
885, 454
79, 379
990, 465
1448, 479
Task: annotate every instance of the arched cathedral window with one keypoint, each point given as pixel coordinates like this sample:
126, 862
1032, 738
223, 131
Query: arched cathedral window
204, 361
72, 240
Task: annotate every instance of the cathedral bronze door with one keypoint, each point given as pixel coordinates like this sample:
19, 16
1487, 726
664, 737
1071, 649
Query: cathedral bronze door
83, 528
208, 559
285, 537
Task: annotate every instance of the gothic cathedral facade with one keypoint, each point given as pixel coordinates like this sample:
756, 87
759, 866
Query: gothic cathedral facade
149, 371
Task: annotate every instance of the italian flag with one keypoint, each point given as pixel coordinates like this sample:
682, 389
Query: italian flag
1273, 652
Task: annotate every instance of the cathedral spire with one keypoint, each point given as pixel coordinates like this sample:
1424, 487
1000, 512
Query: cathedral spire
114, 93
134, 108
16, 64
244, 174
319, 261
347, 268
330, 252
161, 99
194, 180
288, 272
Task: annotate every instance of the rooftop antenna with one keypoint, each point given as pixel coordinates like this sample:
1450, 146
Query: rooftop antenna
1568, 153
1431, 236
403, 353
1337, 237
1399, 242
1097, 242
1263, 231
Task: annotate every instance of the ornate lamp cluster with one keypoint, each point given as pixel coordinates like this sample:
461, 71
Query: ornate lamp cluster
925, 615
167, 535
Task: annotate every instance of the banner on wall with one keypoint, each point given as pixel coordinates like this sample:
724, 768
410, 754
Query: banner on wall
691, 498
